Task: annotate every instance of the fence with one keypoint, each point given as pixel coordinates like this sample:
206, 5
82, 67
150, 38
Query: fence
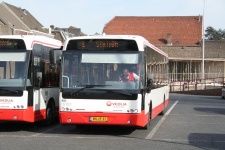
197, 84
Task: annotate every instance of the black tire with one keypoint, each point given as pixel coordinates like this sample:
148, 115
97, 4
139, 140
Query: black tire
164, 105
149, 118
49, 115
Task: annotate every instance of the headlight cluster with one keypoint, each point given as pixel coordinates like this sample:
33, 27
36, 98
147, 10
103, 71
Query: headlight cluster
132, 111
18, 107
67, 109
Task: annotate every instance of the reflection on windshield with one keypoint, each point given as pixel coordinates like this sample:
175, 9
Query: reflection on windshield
12, 69
100, 69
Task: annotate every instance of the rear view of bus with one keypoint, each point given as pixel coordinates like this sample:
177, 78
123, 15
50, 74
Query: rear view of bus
95, 85
27, 90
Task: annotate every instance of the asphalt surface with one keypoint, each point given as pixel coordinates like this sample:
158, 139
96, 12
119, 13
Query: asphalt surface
190, 122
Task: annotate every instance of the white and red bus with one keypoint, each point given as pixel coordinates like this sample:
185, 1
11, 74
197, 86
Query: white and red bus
29, 79
92, 91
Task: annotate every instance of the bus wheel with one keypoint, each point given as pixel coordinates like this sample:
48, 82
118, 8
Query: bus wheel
164, 105
149, 118
49, 115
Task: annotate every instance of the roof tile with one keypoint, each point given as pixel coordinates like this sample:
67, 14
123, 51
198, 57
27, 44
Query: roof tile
185, 30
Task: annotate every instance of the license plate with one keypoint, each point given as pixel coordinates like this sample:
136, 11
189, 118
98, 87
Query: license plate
98, 119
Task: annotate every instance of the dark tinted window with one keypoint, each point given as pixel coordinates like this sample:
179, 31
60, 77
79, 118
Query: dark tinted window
12, 44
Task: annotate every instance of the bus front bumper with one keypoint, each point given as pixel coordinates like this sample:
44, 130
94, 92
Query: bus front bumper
104, 118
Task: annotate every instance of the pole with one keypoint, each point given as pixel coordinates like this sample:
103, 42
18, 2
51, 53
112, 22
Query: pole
203, 47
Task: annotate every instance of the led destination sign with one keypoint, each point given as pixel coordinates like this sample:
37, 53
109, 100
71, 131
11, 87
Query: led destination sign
102, 45
12, 44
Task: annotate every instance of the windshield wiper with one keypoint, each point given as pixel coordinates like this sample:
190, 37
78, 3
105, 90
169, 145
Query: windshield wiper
118, 91
14, 91
87, 87
121, 92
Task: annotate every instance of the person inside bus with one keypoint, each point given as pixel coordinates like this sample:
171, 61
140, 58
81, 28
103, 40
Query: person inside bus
128, 76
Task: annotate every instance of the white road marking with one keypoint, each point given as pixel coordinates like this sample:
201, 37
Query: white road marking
188, 141
198, 115
151, 134
62, 136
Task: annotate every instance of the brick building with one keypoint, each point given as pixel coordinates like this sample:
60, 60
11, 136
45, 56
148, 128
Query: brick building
181, 38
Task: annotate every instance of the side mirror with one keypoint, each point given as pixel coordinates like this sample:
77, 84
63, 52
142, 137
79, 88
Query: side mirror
39, 78
149, 83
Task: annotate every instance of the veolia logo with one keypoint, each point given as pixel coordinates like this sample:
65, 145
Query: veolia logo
108, 103
116, 104
6, 100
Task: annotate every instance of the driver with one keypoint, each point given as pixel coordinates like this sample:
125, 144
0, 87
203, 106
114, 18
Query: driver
128, 76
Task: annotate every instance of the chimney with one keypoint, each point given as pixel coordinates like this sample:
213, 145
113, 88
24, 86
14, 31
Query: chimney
13, 30
49, 30
199, 18
52, 27
169, 39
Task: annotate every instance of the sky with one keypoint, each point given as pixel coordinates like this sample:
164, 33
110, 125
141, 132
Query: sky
92, 15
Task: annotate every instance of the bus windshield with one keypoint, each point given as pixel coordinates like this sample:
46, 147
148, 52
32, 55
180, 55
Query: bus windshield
100, 70
13, 66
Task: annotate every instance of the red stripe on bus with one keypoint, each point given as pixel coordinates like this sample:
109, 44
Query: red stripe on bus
159, 108
52, 45
26, 115
112, 118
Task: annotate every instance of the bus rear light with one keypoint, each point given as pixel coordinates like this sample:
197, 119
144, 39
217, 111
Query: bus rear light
69, 120
15, 117
128, 121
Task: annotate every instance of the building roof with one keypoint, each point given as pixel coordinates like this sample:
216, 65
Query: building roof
24, 16
8, 18
215, 49
63, 33
15, 20
185, 30
183, 53
73, 30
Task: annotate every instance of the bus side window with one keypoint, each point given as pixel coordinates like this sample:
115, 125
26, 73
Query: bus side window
37, 65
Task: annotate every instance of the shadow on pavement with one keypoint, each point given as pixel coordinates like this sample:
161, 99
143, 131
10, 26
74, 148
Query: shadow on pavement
56, 128
102, 130
220, 111
207, 141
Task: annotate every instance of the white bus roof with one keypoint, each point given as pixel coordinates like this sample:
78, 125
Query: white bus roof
141, 41
127, 37
30, 40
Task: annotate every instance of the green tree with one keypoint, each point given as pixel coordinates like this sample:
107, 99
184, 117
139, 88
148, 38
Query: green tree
213, 34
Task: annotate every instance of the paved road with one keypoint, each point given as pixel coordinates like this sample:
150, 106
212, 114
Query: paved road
190, 122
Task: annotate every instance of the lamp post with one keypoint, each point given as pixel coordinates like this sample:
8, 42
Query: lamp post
203, 47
